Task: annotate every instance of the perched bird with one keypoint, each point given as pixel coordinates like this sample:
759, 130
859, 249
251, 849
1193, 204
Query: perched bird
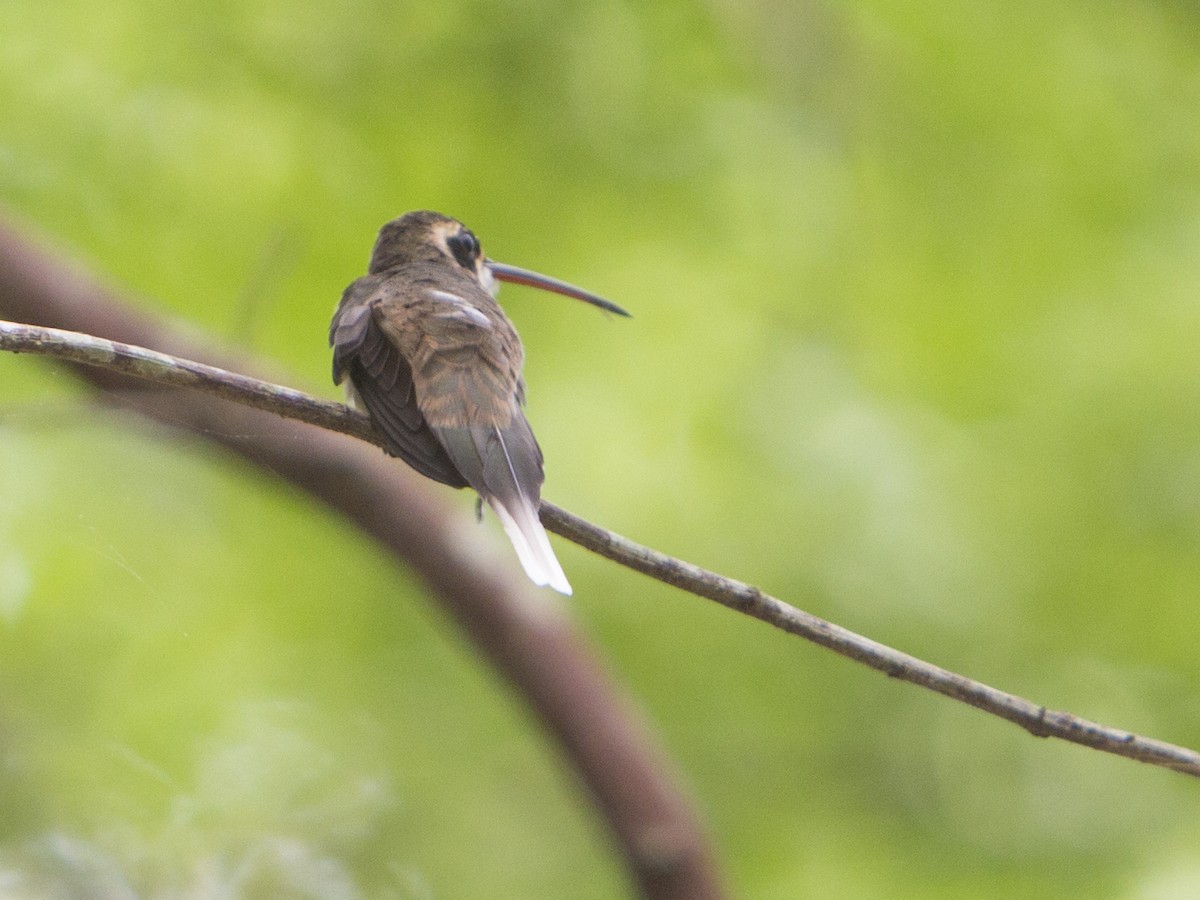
435, 363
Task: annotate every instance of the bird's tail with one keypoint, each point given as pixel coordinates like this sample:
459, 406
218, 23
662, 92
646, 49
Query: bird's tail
505, 466
533, 548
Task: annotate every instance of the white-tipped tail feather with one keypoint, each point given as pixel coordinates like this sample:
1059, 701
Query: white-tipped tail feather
505, 468
532, 546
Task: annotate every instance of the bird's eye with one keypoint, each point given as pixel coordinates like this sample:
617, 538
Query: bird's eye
465, 248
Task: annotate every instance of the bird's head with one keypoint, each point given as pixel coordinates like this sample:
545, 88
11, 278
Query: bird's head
426, 236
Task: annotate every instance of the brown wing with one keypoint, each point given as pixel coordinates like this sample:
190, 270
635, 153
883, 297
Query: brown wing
467, 364
465, 360
382, 381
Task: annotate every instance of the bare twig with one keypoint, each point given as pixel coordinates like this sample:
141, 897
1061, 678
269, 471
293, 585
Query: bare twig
162, 368
736, 595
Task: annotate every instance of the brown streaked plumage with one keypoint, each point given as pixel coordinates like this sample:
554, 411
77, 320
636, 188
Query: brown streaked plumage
436, 364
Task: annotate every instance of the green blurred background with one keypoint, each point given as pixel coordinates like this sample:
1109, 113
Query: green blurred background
916, 299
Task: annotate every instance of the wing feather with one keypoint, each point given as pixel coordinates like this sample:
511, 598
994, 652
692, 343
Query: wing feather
382, 380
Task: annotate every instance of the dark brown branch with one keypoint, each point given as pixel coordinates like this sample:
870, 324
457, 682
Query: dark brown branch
524, 633
736, 595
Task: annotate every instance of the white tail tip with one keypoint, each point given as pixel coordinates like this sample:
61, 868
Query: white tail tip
532, 546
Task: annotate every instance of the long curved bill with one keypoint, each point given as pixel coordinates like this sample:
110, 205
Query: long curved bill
546, 283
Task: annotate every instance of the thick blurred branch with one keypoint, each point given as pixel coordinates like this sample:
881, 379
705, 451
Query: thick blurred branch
524, 633
163, 369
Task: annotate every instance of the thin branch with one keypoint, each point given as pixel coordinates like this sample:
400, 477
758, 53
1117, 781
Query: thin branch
736, 595
162, 368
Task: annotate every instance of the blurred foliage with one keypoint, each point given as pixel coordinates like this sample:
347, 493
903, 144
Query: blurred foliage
916, 305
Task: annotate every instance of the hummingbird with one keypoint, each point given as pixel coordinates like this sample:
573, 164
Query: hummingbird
435, 363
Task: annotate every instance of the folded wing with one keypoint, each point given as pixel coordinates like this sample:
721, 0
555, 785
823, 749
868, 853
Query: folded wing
382, 382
